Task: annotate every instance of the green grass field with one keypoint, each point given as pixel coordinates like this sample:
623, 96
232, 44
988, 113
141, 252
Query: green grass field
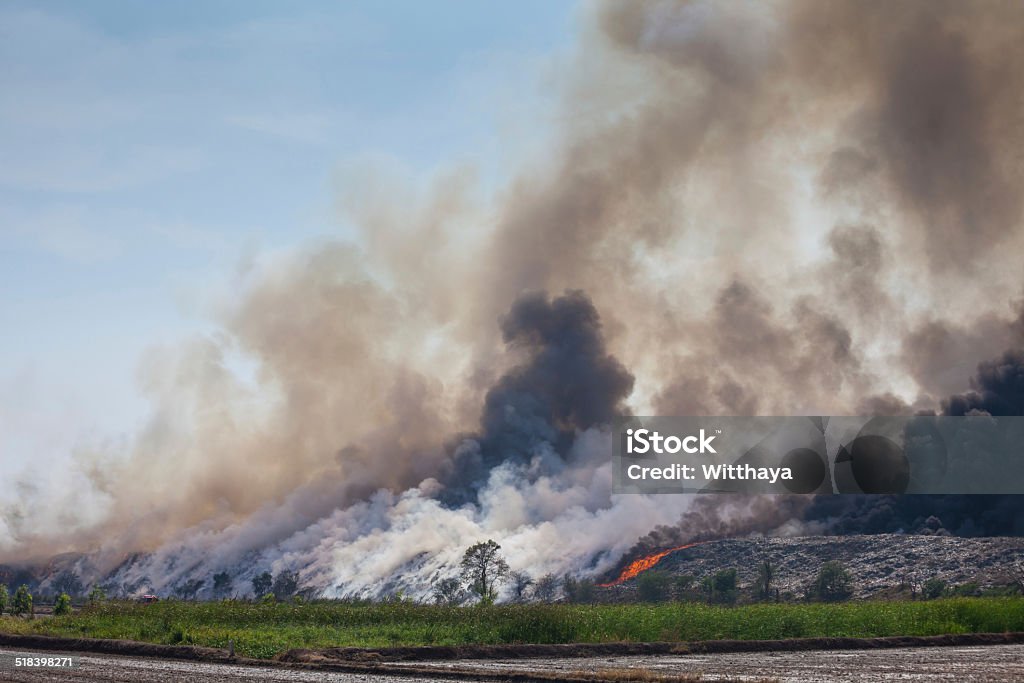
262, 630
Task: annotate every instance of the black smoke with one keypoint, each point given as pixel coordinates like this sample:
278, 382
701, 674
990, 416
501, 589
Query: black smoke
567, 383
997, 389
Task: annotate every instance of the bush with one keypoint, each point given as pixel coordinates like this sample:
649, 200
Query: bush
449, 591
933, 588
832, 584
721, 586
5, 597
686, 587
578, 591
971, 589
286, 584
261, 584
653, 586
221, 584
22, 603
62, 605
97, 594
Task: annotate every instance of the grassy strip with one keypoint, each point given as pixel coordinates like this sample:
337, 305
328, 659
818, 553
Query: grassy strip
263, 630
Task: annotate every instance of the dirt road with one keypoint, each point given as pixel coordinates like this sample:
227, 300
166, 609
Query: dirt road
982, 663
989, 663
109, 669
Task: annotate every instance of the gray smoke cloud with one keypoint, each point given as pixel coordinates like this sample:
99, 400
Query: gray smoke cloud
775, 208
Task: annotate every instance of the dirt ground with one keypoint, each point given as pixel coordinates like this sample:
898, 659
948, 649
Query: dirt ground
988, 663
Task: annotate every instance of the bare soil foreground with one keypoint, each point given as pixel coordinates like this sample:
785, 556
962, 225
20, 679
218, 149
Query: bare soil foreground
982, 657
978, 663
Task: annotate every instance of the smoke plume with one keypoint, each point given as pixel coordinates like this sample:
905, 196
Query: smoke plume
793, 207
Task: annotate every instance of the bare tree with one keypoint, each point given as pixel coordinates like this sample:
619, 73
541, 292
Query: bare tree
546, 588
521, 582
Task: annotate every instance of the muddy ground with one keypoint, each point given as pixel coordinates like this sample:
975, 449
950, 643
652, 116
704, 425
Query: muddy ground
978, 663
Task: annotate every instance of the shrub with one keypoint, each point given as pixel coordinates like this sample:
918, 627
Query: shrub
653, 586
578, 590
62, 605
22, 603
261, 583
221, 584
832, 584
971, 589
721, 586
686, 586
449, 592
933, 588
285, 585
97, 594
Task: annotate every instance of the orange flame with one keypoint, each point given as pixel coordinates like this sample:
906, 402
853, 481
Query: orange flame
643, 564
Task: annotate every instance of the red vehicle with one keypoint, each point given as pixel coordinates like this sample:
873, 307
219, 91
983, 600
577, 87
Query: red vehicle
148, 599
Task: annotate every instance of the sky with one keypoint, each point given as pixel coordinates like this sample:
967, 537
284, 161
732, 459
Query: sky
151, 150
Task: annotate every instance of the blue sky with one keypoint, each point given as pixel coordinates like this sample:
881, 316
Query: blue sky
148, 147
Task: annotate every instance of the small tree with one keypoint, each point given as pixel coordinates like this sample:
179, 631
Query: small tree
286, 584
483, 568
832, 584
97, 594
933, 588
261, 584
577, 590
22, 603
721, 586
521, 582
546, 588
62, 605
684, 587
221, 584
765, 577
449, 592
5, 597
653, 586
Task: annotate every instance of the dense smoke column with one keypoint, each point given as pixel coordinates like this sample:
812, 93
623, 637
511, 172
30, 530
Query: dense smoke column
568, 383
778, 208
997, 389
